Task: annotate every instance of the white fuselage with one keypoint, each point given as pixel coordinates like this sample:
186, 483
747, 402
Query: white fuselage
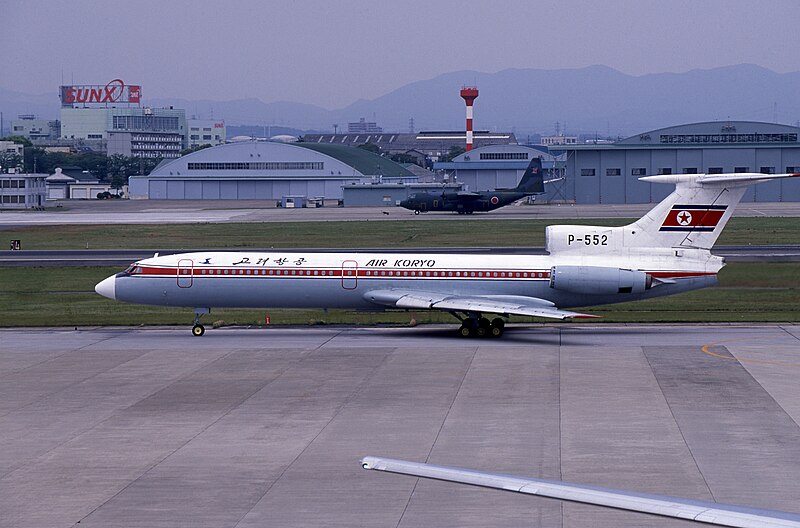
289, 279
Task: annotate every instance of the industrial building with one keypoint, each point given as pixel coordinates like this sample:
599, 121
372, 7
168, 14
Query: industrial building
110, 118
22, 191
205, 132
29, 126
266, 170
137, 132
609, 173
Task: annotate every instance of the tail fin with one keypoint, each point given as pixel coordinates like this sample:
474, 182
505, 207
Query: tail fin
532, 181
693, 216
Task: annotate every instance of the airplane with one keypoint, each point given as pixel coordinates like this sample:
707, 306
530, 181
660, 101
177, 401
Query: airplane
465, 202
667, 251
699, 511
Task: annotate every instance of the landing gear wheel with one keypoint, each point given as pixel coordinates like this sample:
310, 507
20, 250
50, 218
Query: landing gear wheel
484, 327
198, 330
497, 328
416, 211
466, 331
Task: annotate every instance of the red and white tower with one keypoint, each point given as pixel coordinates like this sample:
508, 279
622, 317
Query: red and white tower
469, 94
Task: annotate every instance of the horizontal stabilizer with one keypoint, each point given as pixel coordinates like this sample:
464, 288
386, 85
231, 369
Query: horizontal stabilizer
740, 178
699, 511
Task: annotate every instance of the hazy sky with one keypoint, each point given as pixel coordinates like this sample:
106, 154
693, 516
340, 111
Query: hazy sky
331, 53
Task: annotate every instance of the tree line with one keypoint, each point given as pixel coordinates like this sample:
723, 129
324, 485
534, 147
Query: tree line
114, 169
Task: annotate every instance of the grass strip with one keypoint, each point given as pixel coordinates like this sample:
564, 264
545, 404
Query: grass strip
355, 234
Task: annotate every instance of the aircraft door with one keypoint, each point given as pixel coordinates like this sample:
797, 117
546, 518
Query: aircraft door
349, 274
185, 273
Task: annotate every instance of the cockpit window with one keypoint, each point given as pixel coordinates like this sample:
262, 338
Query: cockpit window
133, 269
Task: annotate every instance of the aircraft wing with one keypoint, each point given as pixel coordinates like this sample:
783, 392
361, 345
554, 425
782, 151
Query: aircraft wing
494, 304
699, 511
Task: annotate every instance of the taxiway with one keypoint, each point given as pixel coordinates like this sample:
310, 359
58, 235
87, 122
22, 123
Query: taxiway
119, 427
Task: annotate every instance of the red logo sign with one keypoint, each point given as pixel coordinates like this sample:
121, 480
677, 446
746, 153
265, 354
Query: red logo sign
495, 200
693, 217
113, 92
134, 94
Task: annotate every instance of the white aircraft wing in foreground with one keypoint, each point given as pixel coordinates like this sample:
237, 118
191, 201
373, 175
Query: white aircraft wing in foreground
698, 511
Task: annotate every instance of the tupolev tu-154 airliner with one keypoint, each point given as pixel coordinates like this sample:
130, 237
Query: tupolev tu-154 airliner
667, 251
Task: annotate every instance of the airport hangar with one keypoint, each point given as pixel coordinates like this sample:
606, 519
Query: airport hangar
609, 173
248, 170
593, 173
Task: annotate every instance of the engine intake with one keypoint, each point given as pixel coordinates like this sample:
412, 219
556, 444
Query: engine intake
599, 280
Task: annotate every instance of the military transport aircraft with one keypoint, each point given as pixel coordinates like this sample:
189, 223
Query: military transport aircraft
692, 510
666, 251
465, 202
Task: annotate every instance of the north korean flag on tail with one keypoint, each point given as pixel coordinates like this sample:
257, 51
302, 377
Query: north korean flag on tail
693, 217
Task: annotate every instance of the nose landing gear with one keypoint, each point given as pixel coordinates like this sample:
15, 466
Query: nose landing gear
198, 329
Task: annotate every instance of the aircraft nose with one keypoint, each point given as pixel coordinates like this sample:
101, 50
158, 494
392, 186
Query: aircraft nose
107, 287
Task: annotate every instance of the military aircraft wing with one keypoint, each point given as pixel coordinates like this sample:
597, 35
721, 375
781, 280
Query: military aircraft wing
494, 304
698, 511
468, 195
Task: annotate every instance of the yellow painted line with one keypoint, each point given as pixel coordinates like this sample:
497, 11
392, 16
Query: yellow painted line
705, 350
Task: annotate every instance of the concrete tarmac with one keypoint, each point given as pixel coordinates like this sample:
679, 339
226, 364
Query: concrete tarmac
120, 427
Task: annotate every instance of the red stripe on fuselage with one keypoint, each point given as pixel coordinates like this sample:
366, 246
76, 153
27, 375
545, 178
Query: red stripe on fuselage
320, 273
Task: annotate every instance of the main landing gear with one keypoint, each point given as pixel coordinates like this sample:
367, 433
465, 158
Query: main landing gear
198, 329
475, 325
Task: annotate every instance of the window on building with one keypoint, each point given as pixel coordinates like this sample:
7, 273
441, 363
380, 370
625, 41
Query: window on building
206, 130
613, 172
194, 136
715, 170
504, 155
587, 172
690, 170
259, 165
15, 184
741, 169
18, 128
5, 184
639, 172
792, 170
665, 170
6, 198
22, 183
95, 136
767, 170
207, 136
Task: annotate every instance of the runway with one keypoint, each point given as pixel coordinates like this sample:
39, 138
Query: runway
120, 427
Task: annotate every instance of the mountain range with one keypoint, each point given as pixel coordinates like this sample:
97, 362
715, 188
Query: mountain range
595, 99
